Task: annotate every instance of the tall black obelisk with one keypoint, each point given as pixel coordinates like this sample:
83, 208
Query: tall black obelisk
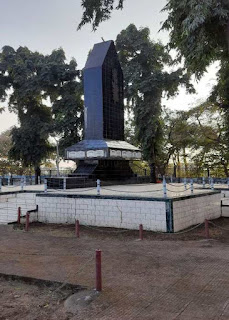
103, 152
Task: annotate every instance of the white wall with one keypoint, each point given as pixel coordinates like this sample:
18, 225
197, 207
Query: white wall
225, 202
9, 204
111, 212
195, 210
103, 212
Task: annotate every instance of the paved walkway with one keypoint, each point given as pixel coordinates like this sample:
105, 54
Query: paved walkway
150, 279
133, 190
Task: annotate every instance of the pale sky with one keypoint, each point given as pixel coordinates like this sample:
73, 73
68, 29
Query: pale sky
46, 25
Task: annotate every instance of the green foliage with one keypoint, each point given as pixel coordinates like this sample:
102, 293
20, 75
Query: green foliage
211, 143
199, 31
67, 109
96, 11
145, 81
196, 140
220, 93
19, 70
8, 165
179, 137
30, 141
37, 84
5, 144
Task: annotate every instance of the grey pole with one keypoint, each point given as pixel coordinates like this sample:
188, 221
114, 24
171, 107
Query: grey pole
98, 187
64, 183
164, 187
191, 183
45, 186
203, 182
22, 184
185, 183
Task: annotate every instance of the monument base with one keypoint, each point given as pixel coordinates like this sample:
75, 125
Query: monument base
104, 170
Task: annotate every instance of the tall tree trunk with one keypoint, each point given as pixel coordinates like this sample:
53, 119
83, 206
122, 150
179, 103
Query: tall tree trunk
185, 162
178, 167
37, 174
227, 37
174, 168
153, 176
225, 168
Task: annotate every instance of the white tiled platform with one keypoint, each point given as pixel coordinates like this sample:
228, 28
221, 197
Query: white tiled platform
135, 190
120, 206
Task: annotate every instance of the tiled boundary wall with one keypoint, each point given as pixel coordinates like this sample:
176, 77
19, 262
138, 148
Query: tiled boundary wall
156, 214
192, 210
10, 201
225, 203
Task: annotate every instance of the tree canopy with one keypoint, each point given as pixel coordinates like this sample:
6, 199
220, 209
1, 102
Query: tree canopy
5, 143
94, 11
40, 86
143, 62
199, 31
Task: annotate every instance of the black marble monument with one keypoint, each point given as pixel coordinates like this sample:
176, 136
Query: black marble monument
103, 154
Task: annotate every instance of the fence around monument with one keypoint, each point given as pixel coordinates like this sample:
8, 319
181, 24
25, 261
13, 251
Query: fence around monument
164, 207
168, 185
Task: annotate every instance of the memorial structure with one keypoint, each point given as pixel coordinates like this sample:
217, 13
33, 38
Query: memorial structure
103, 153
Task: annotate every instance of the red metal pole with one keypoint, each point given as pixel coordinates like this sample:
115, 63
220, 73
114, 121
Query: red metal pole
19, 215
77, 227
27, 222
98, 271
207, 229
141, 232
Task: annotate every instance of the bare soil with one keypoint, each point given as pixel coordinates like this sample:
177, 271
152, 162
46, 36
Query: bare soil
165, 276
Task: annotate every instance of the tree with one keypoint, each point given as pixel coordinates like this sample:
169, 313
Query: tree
30, 140
19, 71
199, 31
210, 143
180, 135
68, 109
5, 144
7, 165
97, 11
145, 81
36, 80
62, 84
220, 94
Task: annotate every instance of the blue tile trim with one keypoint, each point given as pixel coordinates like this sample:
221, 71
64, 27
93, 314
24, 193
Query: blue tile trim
169, 216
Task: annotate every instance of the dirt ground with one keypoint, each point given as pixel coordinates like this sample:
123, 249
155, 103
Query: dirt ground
174, 277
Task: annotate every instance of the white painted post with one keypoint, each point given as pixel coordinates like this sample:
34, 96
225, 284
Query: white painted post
191, 185
0, 184
98, 187
164, 187
64, 183
212, 184
171, 179
39, 180
203, 182
24, 181
185, 183
45, 186
22, 184
8, 180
